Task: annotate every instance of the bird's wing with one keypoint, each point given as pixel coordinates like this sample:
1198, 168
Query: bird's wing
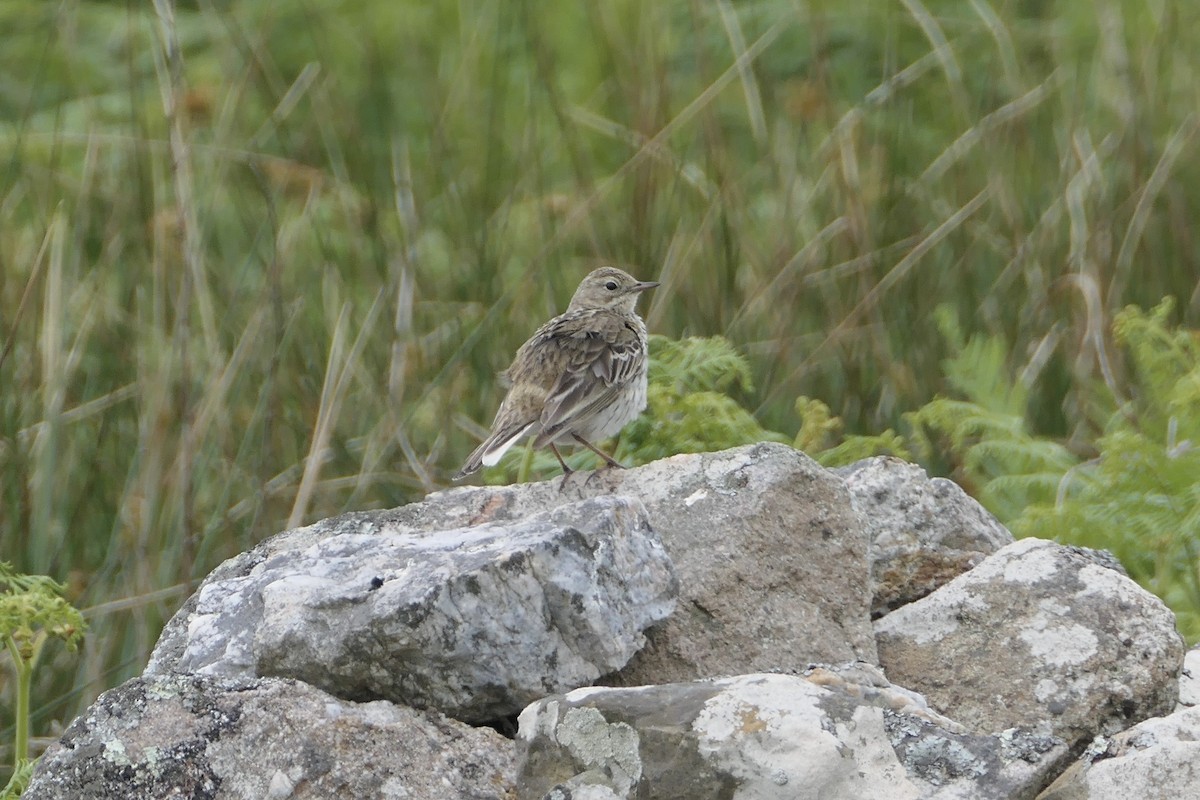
600, 354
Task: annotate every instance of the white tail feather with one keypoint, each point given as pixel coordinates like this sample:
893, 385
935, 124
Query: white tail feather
492, 457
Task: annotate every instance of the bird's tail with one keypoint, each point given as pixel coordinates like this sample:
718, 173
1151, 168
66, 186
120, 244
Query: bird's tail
489, 453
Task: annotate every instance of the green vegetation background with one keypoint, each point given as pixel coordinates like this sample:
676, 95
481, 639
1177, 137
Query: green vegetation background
260, 262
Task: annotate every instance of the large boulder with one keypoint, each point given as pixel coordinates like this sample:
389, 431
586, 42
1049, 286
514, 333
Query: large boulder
771, 557
476, 622
1158, 759
1039, 636
753, 563
198, 737
837, 734
924, 531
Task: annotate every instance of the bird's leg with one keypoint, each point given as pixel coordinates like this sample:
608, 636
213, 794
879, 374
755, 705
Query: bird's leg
566, 470
609, 460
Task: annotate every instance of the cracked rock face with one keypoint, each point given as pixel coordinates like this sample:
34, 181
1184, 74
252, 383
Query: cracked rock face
769, 737
475, 621
196, 737
1038, 636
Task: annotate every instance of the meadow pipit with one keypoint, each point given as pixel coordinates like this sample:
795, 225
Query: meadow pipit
581, 376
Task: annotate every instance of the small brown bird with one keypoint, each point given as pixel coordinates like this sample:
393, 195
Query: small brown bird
581, 376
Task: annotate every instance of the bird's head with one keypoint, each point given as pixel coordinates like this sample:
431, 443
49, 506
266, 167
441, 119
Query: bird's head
609, 287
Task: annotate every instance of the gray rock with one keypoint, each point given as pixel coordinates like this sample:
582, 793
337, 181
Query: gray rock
771, 558
480, 599
1158, 759
1189, 679
476, 622
1037, 637
868, 683
767, 737
924, 532
1101, 558
197, 737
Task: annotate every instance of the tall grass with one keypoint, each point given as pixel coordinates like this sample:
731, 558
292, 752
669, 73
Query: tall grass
259, 262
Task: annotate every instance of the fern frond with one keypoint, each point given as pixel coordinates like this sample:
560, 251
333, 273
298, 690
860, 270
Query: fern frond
856, 448
698, 364
19, 780
1141, 497
695, 422
979, 369
819, 428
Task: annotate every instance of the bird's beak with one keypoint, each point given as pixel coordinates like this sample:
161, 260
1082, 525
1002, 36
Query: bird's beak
642, 286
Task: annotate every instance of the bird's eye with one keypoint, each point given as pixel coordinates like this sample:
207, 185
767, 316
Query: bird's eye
611, 286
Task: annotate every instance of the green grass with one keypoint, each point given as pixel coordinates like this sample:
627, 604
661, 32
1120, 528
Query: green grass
376, 202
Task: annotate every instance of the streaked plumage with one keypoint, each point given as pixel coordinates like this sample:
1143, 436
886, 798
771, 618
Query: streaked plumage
580, 377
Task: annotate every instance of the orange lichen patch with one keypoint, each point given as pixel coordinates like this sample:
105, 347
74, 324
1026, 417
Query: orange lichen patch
488, 512
823, 677
751, 722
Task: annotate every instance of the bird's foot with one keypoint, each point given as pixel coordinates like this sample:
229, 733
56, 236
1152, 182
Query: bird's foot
566, 476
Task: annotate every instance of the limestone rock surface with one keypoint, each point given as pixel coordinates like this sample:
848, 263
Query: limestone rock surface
1158, 759
771, 557
197, 737
924, 531
1041, 637
1189, 679
724, 598
476, 622
769, 737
